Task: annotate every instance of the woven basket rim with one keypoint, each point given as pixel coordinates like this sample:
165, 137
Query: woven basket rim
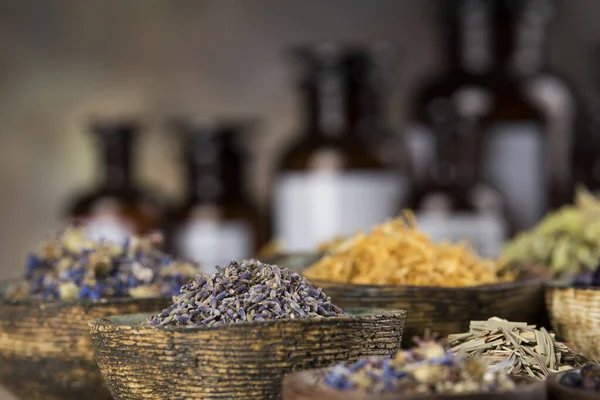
559, 284
115, 322
310, 375
519, 283
4, 302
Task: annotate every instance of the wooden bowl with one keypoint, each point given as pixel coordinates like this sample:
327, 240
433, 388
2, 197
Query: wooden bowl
241, 361
575, 316
556, 391
443, 310
305, 385
45, 349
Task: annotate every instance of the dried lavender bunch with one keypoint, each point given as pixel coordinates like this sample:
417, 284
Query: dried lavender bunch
245, 291
425, 369
68, 266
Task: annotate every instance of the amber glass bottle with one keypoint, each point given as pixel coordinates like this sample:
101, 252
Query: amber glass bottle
118, 206
551, 93
585, 158
454, 202
465, 39
328, 183
217, 221
531, 121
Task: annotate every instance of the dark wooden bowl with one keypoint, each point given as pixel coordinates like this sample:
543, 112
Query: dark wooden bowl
45, 349
575, 316
556, 391
241, 361
305, 385
444, 310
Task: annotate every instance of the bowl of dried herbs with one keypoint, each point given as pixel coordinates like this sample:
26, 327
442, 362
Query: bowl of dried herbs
234, 334
576, 384
441, 285
45, 348
426, 371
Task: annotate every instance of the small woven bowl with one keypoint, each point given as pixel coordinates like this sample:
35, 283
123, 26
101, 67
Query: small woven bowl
444, 310
45, 349
241, 361
575, 316
305, 385
556, 391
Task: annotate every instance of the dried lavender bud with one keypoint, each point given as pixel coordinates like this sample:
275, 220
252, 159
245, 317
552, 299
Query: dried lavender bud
425, 369
70, 266
244, 292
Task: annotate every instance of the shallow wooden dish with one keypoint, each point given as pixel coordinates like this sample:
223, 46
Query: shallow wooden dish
45, 349
444, 310
241, 361
305, 385
575, 316
556, 391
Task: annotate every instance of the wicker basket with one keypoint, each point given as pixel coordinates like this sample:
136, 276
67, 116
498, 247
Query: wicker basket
444, 310
305, 385
241, 361
575, 316
45, 349
556, 391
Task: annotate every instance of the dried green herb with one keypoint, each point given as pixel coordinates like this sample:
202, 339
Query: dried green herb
516, 347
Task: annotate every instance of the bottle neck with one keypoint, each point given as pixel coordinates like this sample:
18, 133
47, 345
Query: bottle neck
529, 35
116, 160
326, 104
214, 175
467, 37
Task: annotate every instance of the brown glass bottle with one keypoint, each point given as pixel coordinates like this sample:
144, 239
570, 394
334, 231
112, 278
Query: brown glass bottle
585, 158
118, 206
328, 183
465, 36
217, 221
552, 95
454, 202
523, 127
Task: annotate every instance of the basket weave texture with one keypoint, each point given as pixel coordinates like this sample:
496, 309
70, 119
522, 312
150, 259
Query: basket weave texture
241, 361
444, 310
575, 317
45, 349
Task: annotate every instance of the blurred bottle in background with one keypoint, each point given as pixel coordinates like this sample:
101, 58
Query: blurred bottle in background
118, 205
465, 38
329, 182
454, 202
217, 221
552, 94
515, 140
586, 149
527, 144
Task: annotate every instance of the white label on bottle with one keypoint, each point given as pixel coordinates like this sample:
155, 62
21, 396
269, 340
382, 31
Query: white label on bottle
421, 144
314, 207
215, 242
105, 222
485, 233
108, 227
516, 166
